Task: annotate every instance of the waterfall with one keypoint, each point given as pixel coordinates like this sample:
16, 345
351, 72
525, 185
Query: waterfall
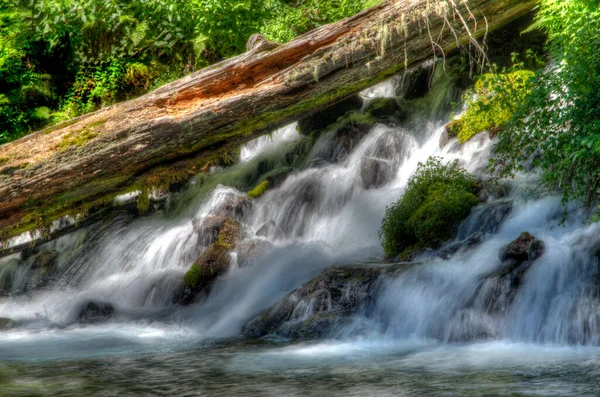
325, 210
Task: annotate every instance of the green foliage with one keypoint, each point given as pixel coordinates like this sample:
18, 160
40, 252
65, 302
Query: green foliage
63, 58
436, 199
492, 103
288, 19
559, 124
259, 190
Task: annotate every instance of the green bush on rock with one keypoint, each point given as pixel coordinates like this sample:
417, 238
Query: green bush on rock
437, 198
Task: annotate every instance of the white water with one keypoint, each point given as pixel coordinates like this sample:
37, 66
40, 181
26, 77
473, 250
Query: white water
323, 215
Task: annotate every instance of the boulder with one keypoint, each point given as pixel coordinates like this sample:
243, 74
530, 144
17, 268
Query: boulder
213, 262
375, 172
386, 109
524, 248
498, 290
207, 228
95, 312
322, 119
323, 305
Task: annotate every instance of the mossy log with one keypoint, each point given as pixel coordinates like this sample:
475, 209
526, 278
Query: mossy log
171, 133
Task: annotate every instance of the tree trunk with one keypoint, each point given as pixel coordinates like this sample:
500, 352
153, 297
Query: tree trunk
168, 135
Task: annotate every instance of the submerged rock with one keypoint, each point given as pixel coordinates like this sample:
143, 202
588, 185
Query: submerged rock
323, 305
95, 312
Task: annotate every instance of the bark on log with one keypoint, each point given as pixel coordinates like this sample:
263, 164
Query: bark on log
170, 134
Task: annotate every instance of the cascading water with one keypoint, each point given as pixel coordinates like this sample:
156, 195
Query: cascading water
326, 210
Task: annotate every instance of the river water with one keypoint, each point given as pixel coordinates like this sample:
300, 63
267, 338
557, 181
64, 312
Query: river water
419, 338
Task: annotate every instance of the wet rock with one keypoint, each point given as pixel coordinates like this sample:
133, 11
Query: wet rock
213, 262
375, 172
28, 253
322, 305
386, 109
491, 190
499, 289
485, 218
234, 207
42, 272
525, 247
469, 325
270, 229
472, 241
337, 145
95, 312
319, 121
6, 323
44, 259
444, 139
208, 229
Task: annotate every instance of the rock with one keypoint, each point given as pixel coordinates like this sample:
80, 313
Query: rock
525, 247
499, 289
234, 207
95, 312
323, 304
6, 323
322, 119
447, 252
208, 229
375, 172
28, 253
386, 109
337, 145
270, 229
485, 218
415, 83
45, 259
444, 139
491, 190
214, 261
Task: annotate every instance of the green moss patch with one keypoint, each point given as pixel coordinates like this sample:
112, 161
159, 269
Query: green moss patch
496, 99
259, 190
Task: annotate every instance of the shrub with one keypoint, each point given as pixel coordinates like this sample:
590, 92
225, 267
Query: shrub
558, 125
436, 199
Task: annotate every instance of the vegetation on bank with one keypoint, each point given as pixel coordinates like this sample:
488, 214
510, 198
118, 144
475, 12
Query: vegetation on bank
438, 196
550, 118
496, 98
63, 58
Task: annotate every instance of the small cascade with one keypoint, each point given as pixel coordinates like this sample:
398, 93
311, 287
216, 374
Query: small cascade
308, 263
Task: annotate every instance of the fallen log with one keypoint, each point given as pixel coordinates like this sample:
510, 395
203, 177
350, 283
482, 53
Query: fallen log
172, 133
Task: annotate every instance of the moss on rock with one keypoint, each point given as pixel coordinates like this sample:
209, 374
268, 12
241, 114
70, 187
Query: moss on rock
259, 190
